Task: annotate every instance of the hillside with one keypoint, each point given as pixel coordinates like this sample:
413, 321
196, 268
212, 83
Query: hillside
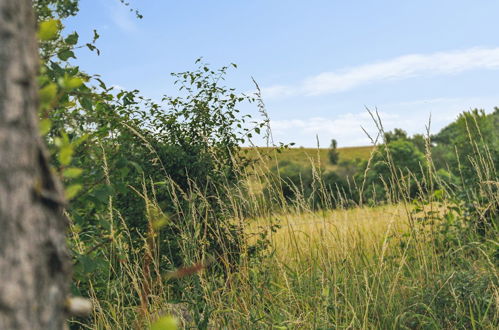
304, 156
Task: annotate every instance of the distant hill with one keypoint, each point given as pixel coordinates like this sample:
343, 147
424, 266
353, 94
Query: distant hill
305, 156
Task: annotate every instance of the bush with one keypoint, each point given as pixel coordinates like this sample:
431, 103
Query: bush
398, 162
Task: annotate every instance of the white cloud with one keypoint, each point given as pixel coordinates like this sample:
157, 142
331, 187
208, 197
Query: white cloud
346, 128
412, 116
277, 91
402, 67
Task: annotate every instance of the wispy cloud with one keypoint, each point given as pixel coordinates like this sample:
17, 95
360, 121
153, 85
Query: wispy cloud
412, 116
403, 67
345, 128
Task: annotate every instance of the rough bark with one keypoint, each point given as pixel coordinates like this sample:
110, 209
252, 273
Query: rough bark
34, 263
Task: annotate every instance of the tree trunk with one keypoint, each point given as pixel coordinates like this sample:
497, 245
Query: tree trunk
34, 263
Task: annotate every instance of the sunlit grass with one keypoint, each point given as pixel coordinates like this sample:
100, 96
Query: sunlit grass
339, 232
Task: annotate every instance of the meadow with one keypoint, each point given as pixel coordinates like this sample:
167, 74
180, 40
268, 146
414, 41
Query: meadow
392, 266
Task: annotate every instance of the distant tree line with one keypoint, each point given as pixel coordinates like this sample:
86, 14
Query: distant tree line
452, 153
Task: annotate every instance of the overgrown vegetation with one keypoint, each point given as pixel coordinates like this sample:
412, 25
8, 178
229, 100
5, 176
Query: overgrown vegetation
170, 216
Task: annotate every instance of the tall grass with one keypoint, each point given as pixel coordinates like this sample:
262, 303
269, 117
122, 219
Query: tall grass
394, 266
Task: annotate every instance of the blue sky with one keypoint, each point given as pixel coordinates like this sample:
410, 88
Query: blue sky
319, 63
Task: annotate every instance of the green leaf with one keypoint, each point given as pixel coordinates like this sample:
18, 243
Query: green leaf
65, 54
81, 139
48, 93
45, 126
87, 264
137, 166
86, 103
70, 82
160, 183
48, 30
72, 39
65, 155
73, 83
96, 36
102, 193
72, 190
438, 194
72, 172
165, 323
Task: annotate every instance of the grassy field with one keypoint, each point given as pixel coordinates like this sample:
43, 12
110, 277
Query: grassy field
360, 268
339, 231
357, 269
307, 156
391, 266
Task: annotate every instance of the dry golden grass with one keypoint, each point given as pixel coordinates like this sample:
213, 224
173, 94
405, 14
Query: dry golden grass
337, 233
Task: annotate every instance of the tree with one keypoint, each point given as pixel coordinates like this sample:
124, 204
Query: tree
34, 263
419, 141
392, 163
397, 134
333, 153
470, 145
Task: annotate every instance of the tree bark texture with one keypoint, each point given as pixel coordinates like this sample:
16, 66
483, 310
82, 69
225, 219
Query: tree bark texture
34, 262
